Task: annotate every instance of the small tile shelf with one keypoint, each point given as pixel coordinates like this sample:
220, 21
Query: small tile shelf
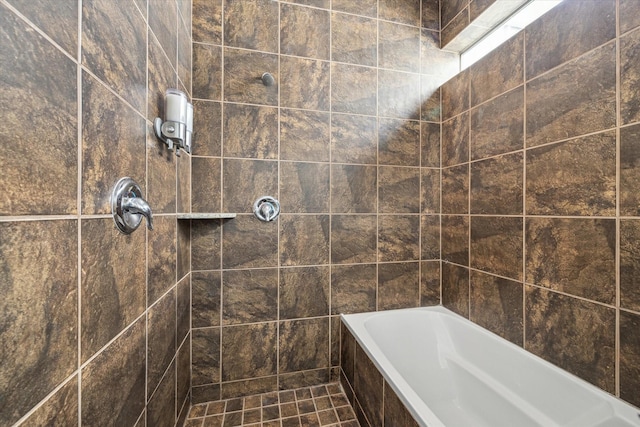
206, 216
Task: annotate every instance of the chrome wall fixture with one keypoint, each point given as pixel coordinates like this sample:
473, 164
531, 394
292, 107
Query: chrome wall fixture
268, 79
177, 127
128, 207
266, 208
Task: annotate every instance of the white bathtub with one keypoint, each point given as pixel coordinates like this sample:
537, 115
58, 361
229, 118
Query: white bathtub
449, 371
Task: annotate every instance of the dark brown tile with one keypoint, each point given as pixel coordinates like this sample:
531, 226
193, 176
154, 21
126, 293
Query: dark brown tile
247, 180
449, 10
183, 372
395, 413
455, 95
347, 355
110, 149
163, 20
183, 311
499, 71
354, 189
430, 237
496, 185
200, 394
304, 292
161, 409
430, 145
398, 238
113, 383
238, 243
431, 14
399, 142
206, 298
429, 283
629, 19
353, 238
455, 27
59, 409
431, 107
397, 94
161, 253
629, 264
205, 185
576, 177
334, 349
161, 175
249, 351
497, 127
183, 249
185, 56
430, 191
249, 387
363, 7
161, 76
575, 256
630, 170
161, 339
353, 288
496, 245
455, 140
207, 21
207, 71
629, 357
455, 190
304, 239
249, 296
398, 285
304, 135
455, 288
305, 83
550, 42
206, 240
113, 288
353, 39
251, 24
58, 21
40, 306
250, 131
397, 47
478, 7
403, 11
242, 76
629, 77
205, 356
368, 386
576, 335
304, 31
455, 239
576, 98
354, 139
353, 89
106, 27
304, 187
304, 344
399, 189
496, 304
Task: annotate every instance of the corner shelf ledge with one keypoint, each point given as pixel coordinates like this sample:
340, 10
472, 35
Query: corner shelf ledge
206, 215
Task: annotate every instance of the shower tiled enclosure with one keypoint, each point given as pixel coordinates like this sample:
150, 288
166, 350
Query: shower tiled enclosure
508, 194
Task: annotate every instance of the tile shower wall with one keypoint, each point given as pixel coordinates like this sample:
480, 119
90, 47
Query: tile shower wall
539, 192
95, 325
348, 141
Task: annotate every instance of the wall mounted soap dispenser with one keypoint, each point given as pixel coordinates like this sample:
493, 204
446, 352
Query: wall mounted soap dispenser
177, 127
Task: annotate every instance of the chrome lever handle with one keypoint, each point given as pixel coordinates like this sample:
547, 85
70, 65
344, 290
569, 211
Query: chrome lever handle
128, 207
266, 208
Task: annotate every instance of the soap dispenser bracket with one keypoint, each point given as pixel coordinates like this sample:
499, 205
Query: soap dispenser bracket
128, 207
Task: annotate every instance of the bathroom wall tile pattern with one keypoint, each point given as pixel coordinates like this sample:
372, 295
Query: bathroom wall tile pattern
84, 83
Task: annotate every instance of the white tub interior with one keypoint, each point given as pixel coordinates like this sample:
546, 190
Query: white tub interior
450, 372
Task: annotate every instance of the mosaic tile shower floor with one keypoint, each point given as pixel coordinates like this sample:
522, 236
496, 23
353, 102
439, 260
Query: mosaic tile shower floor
323, 405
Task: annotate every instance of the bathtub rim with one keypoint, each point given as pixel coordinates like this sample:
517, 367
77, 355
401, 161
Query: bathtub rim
418, 409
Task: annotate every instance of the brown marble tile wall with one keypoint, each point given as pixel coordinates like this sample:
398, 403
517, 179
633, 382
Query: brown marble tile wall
96, 322
539, 208
348, 140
